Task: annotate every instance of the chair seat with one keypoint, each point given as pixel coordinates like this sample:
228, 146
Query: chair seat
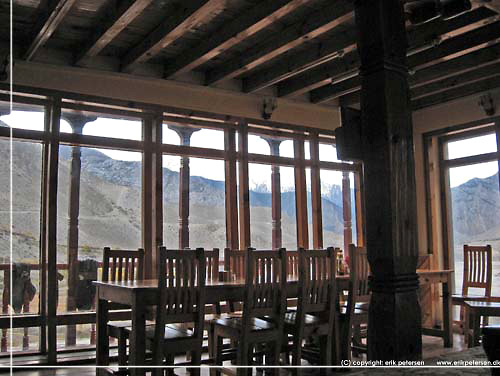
172, 332
236, 323
291, 316
458, 298
215, 316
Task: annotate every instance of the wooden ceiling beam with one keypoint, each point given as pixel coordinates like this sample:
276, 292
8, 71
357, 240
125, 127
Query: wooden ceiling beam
317, 23
289, 66
419, 38
474, 75
491, 4
456, 93
54, 14
190, 13
229, 35
118, 20
449, 67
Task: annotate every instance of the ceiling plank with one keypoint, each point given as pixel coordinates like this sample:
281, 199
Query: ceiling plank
121, 18
56, 12
491, 4
456, 93
419, 39
240, 28
470, 76
289, 66
453, 66
315, 24
182, 20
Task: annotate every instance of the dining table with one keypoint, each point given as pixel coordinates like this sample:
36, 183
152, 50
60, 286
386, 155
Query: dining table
141, 294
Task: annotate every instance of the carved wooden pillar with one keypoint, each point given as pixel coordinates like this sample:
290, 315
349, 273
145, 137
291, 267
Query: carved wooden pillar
301, 195
232, 239
77, 122
185, 136
346, 209
274, 145
394, 329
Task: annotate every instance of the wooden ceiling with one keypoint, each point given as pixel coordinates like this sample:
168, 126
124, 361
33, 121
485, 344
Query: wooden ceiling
305, 49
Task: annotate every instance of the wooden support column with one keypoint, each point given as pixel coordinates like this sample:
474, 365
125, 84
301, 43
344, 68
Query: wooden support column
300, 195
346, 210
152, 192
358, 194
232, 240
244, 191
157, 201
51, 234
497, 131
185, 136
77, 122
317, 219
274, 145
394, 327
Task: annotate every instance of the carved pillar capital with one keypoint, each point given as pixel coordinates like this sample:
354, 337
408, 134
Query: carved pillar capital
274, 144
184, 133
77, 121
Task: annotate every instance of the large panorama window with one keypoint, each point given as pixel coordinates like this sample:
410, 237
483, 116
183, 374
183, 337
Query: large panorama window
102, 166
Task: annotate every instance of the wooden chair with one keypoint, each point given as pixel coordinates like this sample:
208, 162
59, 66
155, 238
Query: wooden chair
181, 281
355, 313
317, 308
235, 266
265, 295
121, 265
477, 274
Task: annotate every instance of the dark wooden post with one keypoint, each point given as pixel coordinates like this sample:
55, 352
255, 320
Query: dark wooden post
316, 210
301, 195
394, 328
346, 209
274, 145
157, 200
244, 190
185, 136
77, 122
232, 240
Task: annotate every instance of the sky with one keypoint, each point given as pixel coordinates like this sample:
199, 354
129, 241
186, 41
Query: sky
259, 174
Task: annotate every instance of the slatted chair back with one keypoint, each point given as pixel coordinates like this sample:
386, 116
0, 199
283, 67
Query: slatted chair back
122, 265
212, 265
317, 283
234, 263
477, 269
265, 293
359, 271
181, 282
292, 265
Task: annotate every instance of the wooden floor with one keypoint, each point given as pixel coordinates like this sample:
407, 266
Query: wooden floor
432, 348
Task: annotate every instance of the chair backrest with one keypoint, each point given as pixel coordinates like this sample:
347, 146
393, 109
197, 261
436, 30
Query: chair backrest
359, 271
181, 282
265, 293
477, 268
212, 264
292, 265
122, 265
234, 262
317, 283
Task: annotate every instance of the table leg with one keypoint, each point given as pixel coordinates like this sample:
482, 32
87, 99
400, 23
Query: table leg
137, 348
102, 340
447, 316
477, 328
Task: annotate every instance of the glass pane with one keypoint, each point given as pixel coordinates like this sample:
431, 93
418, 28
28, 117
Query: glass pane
99, 205
23, 117
207, 217
171, 168
25, 257
286, 149
259, 177
104, 127
208, 138
472, 146
475, 209
288, 208
328, 153
257, 145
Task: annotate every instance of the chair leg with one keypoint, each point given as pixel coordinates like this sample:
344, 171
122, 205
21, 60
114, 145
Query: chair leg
276, 357
217, 353
195, 361
122, 348
242, 358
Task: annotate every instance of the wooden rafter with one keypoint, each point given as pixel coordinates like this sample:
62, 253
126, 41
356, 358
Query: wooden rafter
449, 67
229, 35
486, 34
56, 12
189, 14
418, 38
491, 4
456, 93
121, 17
315, 24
